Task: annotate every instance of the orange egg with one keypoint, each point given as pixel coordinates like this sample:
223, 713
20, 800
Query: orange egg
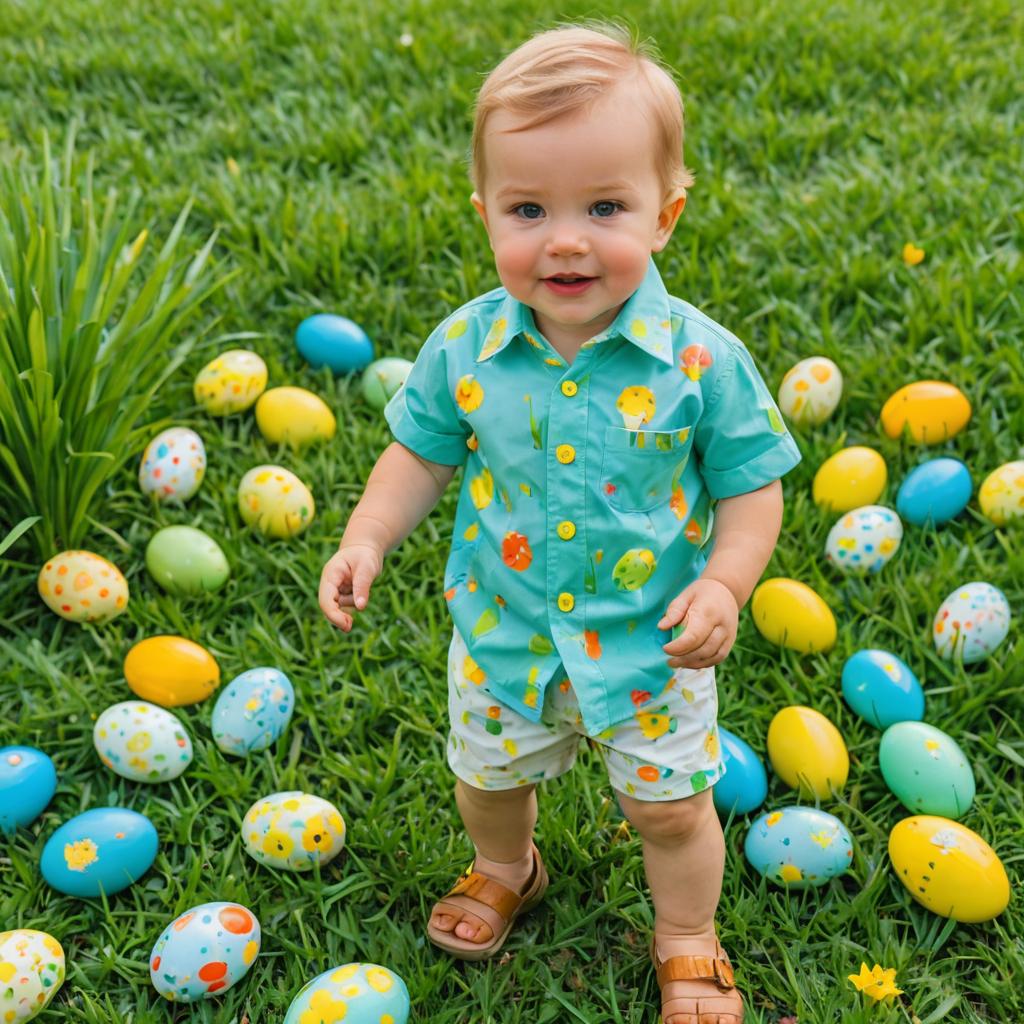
930, 411
171, 670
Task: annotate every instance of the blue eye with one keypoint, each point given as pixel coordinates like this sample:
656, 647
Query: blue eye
606, 208
529, 211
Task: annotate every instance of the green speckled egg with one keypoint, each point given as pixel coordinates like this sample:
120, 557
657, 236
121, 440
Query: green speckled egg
926, 769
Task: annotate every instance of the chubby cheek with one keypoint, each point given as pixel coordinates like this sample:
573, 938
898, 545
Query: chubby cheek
625, 263
516, 261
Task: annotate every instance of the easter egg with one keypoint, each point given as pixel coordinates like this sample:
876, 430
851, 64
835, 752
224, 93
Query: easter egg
357, 993
326, 339
27, 784
807, 751
82, 587
293, 831
204, 951
972, 622
798, 847
294, 416
275, 501
882, 689
173, 465
744, 785
382, 378
851, 478
810, 391
184, 560
948, 868
926, 769
252, 710
864, 539
102, 850
930, 411
142, 742
789, 613
934, 492
1002, 493
231, 382
31, 972
171, 670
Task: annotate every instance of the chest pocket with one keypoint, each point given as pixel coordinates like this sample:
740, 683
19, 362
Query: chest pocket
641, 468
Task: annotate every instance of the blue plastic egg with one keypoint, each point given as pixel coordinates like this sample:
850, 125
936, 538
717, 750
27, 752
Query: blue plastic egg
799, 846
935, 492
882, 689
253, 710
27, 783
744, 785
102, 850
326, 339
357, 993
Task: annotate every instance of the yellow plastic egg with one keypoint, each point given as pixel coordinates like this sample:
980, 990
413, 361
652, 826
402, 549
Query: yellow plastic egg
789, 613
807, 751
231, 382
31, 972
929, 410
294, 416
82, 587
849, 479
275, 501
810, 391
1002, 494
948, 868
171, 671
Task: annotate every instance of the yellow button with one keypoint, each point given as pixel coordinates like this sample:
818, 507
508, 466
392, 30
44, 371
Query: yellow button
569, 388
566, 530
565, 453
566, 602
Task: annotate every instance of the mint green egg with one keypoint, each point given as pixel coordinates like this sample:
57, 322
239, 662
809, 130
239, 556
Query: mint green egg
184, 560
382, 378
926, 769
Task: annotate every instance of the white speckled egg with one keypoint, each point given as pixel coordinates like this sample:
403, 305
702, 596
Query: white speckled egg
864, 539
810, 391
82, 587
1001, 495
142, 742
231, 382
972, 622
253, 710
31, 972
173, 465
293, 831
275, 501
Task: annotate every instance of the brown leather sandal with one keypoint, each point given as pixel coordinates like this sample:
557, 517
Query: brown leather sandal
726, 1008
494, 903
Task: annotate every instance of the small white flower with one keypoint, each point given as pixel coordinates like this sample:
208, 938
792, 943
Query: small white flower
405, 39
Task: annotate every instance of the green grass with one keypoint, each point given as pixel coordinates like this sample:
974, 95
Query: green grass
823, 140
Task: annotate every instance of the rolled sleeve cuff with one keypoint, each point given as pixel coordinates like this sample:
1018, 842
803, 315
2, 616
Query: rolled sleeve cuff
757, 472
446, 449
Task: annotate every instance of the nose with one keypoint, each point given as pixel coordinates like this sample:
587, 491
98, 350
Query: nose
567, 237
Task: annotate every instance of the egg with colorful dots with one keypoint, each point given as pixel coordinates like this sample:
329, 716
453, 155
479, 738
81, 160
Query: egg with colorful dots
275, 501
83, 587
1001, 495
231, 382
28, 781
252, 711
864, 539
31, 972
142, 742
798, 847
810, 391
972, 622
173, 465
293, 831
355, 993
204, 951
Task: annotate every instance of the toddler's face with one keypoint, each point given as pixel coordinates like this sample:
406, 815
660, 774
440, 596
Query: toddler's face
573, 209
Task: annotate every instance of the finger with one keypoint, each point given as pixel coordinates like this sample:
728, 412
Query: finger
336, 616
698, 628
676, 610
708, 649
364, 576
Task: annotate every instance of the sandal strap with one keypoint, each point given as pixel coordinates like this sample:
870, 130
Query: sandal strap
490, 892
690, 968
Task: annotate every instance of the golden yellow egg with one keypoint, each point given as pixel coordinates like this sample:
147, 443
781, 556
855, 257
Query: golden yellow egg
807, 752
789, 613
171, 671
1001, 496
83, 587
275, 501
294, 416
930, 411
849, 479
231, 382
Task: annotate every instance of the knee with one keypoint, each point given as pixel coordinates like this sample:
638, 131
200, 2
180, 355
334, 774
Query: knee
464, 792
669, 821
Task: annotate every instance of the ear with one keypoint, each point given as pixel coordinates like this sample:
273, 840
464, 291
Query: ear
667, 220
478, 205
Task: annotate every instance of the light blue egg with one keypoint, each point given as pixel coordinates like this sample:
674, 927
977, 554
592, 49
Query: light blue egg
326, 339
357, 993
252, 711
882, 689
27, 783
744, 785
936, 491
926, 770
102, 850
798, 846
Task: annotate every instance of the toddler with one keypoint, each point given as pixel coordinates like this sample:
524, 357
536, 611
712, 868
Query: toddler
597, 418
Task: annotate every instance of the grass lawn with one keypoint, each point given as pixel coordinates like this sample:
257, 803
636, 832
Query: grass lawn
331, 156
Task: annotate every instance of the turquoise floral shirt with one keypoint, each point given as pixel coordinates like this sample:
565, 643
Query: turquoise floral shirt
585, 505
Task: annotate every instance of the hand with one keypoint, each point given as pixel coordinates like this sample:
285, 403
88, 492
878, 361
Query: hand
710, 615
345, 581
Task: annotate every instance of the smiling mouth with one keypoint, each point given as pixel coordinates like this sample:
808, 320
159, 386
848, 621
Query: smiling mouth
568, 278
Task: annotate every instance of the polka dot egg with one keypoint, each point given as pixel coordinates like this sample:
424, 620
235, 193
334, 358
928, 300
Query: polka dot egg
31, 972
253, 710
1002, 494
204, 952
864, 539
231, 382
275, 501
354, 993
173, 465
810, 391
142, 742
82, 587
972, 622
293, 831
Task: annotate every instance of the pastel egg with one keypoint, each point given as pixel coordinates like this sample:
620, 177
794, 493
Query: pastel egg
929, 411
972, 622
326, 339
810, 391
926, 769
357, 993
864, 539
142, 742
27, 784
275, 501
934, 492
293, 831
851, 478
744, 785
798, 847
1002, 493
252, 711
789, 613
231, 382
31, 972
204, 951
948, 868
294, 416
882, 689
171, 670
807, 751
99, 851
83, 587
173, 465
382, 378
184, 560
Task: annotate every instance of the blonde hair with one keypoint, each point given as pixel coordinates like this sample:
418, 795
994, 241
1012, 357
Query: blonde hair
566, 69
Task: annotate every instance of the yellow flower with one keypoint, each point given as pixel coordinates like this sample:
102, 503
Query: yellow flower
317, 836
912, 255
277, 843
80, 855
323, 1009
468, 393
877, 982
